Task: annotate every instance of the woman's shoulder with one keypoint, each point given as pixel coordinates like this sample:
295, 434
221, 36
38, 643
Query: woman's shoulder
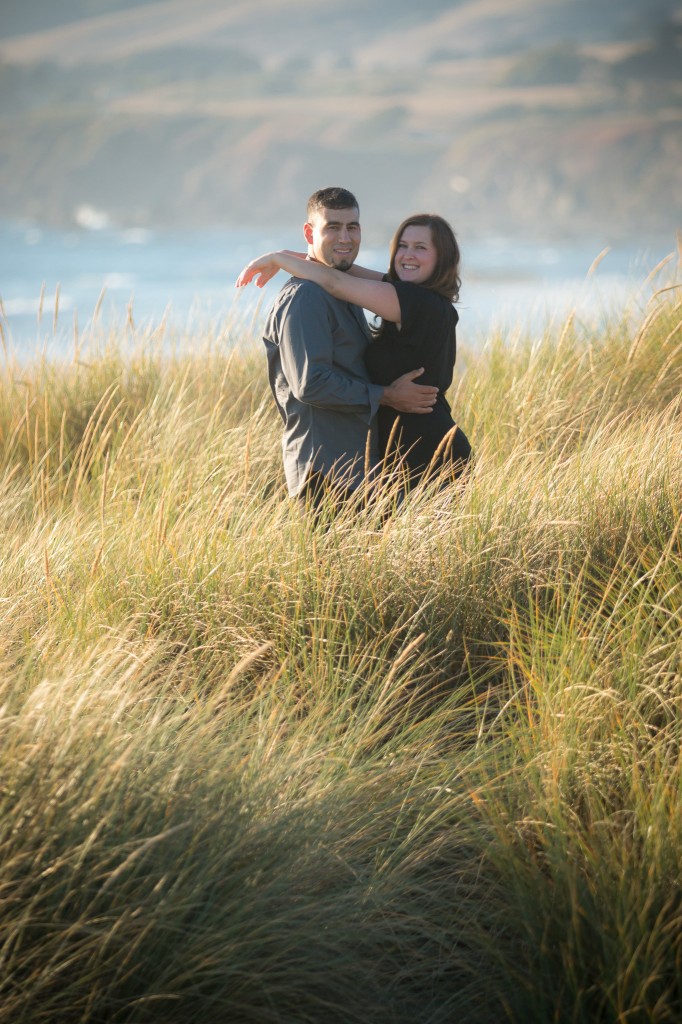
421, 293
419, 300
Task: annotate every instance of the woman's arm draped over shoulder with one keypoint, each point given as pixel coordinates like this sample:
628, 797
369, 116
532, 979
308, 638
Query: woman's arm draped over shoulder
355, 271
373, 294
371, 275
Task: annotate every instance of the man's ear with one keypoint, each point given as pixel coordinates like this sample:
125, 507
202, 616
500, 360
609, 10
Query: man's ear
308, 232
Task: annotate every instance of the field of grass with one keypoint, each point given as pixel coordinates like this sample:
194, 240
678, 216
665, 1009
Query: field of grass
258, 769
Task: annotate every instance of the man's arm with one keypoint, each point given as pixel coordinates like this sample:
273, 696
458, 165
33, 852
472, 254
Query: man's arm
306, 351
306, 347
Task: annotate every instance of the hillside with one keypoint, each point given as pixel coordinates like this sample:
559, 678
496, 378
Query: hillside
528, 116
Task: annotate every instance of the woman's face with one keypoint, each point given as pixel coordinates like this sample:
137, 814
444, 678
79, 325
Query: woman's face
416, 256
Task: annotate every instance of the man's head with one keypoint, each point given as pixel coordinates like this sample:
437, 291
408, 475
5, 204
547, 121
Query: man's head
332, 229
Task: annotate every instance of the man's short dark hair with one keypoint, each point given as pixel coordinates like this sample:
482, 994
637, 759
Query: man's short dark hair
333, 198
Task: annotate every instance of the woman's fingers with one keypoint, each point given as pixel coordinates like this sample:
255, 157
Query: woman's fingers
259, 271
246, 276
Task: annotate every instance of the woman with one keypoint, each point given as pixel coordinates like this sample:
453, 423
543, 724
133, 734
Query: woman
414, 302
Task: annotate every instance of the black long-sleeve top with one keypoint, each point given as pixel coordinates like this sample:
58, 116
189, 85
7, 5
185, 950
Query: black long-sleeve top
426, 336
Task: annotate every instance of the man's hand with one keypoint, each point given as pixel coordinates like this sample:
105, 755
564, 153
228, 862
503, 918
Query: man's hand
406, 396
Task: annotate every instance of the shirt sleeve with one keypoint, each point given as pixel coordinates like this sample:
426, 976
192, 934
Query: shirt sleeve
422, 310
306, 351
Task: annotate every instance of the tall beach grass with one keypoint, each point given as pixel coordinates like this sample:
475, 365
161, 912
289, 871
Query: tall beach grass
416, 767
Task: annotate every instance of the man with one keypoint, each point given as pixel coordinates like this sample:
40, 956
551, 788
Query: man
315, 347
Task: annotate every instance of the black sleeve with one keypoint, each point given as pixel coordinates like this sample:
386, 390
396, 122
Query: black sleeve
422, 311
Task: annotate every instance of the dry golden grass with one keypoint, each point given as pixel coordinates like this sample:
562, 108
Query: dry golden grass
260, 769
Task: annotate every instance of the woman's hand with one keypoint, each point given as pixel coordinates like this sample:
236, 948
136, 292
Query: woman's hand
259, 271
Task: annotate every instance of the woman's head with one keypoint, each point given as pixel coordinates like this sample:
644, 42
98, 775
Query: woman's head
424, 250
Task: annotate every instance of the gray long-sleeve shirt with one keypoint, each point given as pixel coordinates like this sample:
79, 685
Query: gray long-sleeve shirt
315, 346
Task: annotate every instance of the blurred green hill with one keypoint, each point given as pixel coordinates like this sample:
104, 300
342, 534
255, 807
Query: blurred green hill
543, 117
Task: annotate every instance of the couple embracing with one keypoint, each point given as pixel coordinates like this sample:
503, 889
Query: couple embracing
348, 393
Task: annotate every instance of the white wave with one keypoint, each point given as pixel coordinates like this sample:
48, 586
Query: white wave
90, 218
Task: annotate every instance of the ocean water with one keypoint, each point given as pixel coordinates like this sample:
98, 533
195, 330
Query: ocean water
187, 281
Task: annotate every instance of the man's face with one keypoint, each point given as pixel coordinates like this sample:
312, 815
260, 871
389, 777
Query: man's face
333, 237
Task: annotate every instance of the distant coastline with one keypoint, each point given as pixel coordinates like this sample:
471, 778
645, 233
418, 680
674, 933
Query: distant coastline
188, 278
